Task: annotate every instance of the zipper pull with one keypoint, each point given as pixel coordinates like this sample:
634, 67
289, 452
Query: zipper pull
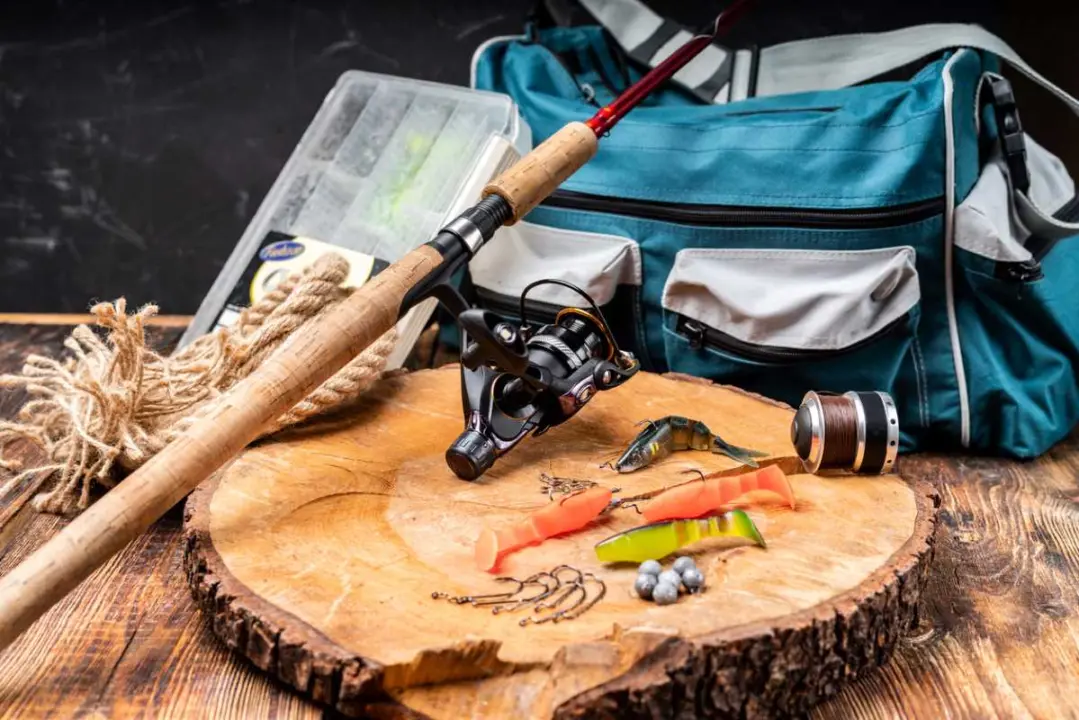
694, 332
1025, 271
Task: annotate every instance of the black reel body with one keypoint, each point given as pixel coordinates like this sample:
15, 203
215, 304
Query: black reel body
516, 380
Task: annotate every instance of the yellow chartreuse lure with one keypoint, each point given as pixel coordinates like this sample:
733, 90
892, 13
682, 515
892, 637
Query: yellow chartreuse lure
658, 540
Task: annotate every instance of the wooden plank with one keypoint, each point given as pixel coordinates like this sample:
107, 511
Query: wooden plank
1000, 630
129, 641
171, 321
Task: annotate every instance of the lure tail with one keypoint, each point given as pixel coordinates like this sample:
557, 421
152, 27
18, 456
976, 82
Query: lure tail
742, 455
773, 479
735, 524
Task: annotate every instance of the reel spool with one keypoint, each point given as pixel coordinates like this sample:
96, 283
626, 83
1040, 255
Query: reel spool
856, 432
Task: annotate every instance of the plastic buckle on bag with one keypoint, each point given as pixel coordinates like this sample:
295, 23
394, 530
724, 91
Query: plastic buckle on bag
694, 333
1024, 271
1010, 129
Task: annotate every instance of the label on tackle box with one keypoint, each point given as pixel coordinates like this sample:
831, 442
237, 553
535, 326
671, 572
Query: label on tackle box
280, 255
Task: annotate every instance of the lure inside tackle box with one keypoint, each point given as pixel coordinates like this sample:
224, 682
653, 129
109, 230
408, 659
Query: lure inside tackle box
358, 583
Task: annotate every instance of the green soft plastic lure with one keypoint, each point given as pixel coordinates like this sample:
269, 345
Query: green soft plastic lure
658, 540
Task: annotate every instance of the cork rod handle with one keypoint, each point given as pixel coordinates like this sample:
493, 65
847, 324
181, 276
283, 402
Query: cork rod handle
540, 172
302, 363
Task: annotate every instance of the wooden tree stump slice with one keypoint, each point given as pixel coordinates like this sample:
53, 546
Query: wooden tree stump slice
315, 555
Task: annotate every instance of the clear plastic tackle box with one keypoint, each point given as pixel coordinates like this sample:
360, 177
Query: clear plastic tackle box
385, 163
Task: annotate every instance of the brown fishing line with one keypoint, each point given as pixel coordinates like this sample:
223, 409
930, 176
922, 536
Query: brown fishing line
840, 441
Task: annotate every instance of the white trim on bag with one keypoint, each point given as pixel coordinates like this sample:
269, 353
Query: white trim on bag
481, 48
949, 239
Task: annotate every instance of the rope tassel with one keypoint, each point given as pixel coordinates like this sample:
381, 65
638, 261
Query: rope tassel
113, 403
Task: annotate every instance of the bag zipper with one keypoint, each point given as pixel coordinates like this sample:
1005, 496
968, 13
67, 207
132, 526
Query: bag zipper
701, 336
782, 111
735, 216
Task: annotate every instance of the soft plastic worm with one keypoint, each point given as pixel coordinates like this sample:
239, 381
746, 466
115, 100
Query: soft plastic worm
658, 540
711, 493
559, 517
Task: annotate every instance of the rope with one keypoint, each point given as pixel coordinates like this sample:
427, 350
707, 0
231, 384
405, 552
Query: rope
113, 403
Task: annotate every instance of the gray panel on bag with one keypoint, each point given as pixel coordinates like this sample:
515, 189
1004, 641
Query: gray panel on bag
526, 252
801, 299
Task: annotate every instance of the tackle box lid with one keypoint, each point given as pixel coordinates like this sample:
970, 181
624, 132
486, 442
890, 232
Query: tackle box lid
384, 164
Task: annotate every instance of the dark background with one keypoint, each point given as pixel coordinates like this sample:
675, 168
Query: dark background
138, 138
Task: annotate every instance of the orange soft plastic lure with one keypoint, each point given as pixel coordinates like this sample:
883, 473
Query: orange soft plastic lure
559, 517
697, 498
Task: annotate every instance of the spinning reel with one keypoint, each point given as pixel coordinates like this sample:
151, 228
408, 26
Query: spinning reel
516, 379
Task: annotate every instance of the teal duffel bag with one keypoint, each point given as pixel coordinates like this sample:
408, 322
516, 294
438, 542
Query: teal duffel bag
784, 220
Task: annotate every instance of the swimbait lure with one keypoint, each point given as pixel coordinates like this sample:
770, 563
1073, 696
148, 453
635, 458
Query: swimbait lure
673, 433
711, 492
658, 540
562, 516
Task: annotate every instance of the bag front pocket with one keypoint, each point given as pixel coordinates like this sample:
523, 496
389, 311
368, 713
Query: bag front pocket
607, 267
781, 322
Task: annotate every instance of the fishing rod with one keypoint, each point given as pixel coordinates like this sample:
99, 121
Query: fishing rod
315, 353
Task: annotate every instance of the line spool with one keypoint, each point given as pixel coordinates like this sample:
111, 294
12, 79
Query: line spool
856, 431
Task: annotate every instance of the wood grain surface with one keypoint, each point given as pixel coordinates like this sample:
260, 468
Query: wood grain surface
999, 635
171, 321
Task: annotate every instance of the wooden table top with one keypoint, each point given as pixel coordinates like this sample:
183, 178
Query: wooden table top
999, 636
